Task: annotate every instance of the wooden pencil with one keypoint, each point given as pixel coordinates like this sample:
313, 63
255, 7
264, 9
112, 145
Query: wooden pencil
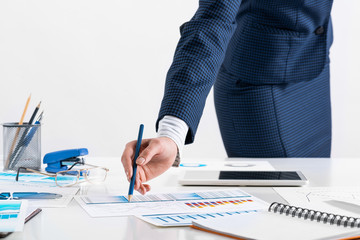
17, 132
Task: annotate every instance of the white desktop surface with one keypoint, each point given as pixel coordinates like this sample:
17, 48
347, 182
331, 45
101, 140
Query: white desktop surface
73, 223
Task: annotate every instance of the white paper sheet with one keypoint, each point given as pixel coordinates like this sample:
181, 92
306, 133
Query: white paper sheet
327, 199
316, 194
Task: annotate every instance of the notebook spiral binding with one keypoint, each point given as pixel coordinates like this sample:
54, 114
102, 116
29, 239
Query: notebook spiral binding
314, 215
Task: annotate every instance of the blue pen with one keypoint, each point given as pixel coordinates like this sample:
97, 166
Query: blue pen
137, 150
31, 134
28, 195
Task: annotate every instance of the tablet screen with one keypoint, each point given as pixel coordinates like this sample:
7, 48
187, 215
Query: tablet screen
259, 175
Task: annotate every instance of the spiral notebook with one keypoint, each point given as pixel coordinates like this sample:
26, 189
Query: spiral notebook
283, 221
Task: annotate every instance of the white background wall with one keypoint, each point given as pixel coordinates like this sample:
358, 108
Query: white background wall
99, 68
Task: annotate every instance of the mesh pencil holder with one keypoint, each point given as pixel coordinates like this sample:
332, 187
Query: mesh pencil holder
22, 146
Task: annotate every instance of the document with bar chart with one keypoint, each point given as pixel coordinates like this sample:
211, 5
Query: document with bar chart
185, 219
12, 215
214, 201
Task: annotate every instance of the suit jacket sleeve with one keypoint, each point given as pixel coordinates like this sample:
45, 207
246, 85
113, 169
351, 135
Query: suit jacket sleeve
198, 57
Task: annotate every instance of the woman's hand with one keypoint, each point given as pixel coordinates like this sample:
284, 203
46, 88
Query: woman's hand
156, 156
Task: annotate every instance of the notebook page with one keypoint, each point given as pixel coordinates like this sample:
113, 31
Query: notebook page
272, 226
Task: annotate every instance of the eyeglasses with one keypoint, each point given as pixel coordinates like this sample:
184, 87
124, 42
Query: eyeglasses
70, 177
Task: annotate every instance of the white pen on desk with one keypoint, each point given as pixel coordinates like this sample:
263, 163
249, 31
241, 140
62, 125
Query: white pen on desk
192, 165
239, 165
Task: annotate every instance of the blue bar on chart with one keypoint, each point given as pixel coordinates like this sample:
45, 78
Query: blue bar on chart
173, 220
163, 197
12, 215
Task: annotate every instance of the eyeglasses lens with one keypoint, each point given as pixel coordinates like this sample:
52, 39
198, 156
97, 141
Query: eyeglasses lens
96, 175
67, 179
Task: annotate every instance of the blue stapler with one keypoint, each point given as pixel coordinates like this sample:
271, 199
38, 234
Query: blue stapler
59, 160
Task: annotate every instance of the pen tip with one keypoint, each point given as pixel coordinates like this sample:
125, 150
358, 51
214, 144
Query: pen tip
129, 198
39, 104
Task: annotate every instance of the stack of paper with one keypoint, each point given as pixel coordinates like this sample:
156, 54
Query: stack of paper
173, 209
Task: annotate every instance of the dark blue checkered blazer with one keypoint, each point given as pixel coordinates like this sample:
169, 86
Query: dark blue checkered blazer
269, 62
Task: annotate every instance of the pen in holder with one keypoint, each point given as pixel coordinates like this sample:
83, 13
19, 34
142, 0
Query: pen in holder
22, 146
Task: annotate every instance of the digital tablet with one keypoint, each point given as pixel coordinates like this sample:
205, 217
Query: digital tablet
244, 178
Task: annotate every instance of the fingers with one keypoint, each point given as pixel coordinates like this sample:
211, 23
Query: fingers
149, 148
127, 157
137, 182
144, 188
149, 152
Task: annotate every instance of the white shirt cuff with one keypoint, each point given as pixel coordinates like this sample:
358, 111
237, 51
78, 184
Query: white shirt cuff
175, 129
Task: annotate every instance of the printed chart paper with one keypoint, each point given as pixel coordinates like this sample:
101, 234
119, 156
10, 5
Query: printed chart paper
12, 215
179, 220
33, 178
166, 197
170, 203
67, 194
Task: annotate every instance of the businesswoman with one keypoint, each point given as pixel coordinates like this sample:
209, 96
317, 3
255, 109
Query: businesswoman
268, 61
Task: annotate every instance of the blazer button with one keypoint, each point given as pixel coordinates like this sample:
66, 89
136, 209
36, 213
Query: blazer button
320, 30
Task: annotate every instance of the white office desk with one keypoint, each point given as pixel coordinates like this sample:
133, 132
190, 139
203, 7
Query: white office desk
73, 223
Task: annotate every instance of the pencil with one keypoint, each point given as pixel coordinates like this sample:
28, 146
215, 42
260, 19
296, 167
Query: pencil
34, 113
137, 150
33, 214
17, 132
25, 109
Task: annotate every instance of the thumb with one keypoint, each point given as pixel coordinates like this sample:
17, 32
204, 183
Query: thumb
148, 153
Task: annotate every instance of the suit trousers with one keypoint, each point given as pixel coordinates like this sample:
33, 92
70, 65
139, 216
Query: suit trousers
274, 120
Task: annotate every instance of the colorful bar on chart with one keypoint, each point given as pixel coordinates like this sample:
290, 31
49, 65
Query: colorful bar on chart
217, 203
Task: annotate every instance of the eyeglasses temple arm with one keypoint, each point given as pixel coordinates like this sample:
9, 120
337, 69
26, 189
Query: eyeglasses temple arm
18, 172
31, 170
97, 166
